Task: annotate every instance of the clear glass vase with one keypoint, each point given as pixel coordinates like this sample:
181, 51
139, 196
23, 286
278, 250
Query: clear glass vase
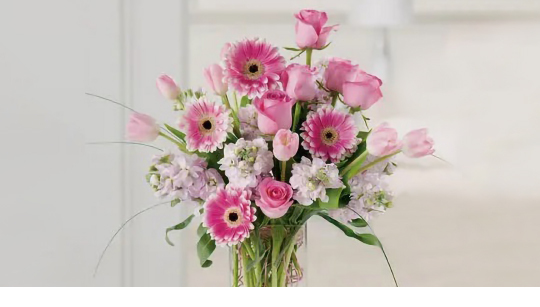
274, 256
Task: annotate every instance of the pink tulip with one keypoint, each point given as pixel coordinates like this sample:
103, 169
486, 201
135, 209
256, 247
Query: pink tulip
168, 87
214, 77
142, 128
274, 111
338, 72
383, 141
299, 81
310, 29
362, 93
275, 197
417, 144
285, 144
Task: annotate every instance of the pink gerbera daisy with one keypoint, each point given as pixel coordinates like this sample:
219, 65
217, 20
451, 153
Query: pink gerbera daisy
206, 125
330, 134
253, 67
228, 215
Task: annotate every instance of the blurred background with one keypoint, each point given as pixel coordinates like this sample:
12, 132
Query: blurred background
466, 69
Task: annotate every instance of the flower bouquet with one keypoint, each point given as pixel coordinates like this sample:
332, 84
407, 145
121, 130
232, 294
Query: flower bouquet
286, 143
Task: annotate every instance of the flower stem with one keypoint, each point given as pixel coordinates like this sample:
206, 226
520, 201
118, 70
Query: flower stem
297, 112
234, 251
283, 170
351, 164
308, 56
334, 98
284, 268
236, 122
247, 279
180, 145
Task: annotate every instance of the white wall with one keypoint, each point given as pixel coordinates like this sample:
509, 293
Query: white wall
467, 70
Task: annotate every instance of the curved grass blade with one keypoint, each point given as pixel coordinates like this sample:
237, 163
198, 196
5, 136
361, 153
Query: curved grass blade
110, 100
120, 229
129, 143
380, 245
366, 238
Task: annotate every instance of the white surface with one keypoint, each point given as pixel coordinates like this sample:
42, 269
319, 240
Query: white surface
473, 84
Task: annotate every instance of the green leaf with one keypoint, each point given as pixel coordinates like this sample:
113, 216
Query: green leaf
292, 49
333, 201
231, 137
244, 101
363, 135
201, 230
297, 212
205, 248
180, 226
176, 132
354, 166
175, 202
366, 238
358, 223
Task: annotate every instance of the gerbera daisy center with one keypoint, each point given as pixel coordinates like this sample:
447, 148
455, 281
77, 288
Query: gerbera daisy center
233, 217
206, 125
329, 136
253, 69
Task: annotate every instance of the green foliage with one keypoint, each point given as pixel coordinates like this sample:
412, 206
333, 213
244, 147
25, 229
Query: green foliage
244, 101
205, 248
175, 202
365, 238
334, 196
180, 226
177, 133
358, 223
292, 49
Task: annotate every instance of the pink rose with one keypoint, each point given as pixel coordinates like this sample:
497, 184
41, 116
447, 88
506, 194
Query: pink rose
363, 92
417, 144
274, 111
285, 144
275, 197
299, 81
383, 141
142, 128
310, 29
168, 87
338, 72
214, 77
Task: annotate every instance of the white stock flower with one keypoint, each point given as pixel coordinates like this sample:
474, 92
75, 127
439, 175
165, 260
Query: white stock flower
176, 175
246, 161
311, 179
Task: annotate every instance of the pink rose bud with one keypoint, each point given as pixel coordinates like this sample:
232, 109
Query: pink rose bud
274, 111
285, 144
338, 72
214, 77
299, 81
275, 197
142, 128
168, 87
417, 144
383, 141
362, 93
310, 29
